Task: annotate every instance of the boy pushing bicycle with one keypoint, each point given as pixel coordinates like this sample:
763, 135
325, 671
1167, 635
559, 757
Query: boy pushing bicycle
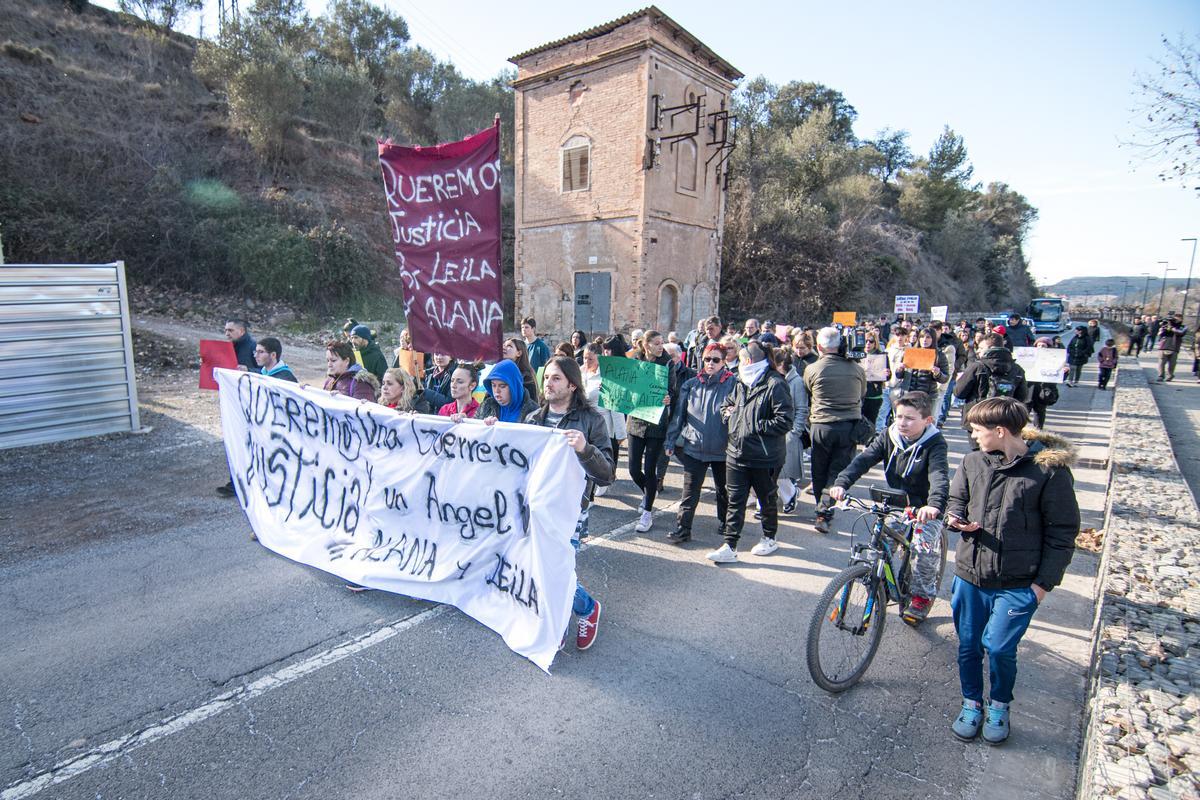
913, 451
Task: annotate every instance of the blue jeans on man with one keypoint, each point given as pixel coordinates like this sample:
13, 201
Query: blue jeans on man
993, 620
944, 411
583, 603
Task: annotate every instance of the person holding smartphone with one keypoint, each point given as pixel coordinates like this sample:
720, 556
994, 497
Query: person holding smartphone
1013, 501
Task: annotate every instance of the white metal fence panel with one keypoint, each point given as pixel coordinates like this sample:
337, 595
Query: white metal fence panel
66, 354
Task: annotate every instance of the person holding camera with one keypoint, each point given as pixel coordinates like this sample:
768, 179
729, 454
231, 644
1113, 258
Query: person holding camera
1170, 342
836, 388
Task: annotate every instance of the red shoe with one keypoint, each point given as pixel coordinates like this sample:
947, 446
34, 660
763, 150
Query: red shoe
917, 611
589, 626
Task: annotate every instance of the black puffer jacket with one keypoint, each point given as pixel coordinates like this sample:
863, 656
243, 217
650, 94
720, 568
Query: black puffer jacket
1027, 512
974, 384
761, 415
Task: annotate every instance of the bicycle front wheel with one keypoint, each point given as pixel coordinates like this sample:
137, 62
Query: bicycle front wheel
846, 628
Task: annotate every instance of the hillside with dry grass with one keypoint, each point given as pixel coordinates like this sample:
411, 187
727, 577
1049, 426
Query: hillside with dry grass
112, 148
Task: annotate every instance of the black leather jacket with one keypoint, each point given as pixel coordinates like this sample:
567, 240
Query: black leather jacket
597, 457
760, 417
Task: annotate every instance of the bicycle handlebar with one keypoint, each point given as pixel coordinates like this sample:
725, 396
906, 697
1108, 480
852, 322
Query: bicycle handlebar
874, 508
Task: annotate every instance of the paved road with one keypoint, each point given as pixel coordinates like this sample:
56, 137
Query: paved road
1179, 403
153, 650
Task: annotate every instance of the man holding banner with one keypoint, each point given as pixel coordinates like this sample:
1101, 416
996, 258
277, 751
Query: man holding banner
565, 407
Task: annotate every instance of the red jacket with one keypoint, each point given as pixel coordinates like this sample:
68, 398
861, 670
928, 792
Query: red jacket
452, 408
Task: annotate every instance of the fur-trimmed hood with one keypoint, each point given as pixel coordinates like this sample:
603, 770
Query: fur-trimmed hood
1048, 449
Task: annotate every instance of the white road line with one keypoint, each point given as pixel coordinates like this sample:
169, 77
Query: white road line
73, 767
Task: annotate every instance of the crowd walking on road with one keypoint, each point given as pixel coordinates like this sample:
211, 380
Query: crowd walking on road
765, 409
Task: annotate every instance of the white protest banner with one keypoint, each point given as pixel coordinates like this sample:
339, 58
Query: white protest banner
938, 313
1041, 364
876, 366
479, 517
907, 304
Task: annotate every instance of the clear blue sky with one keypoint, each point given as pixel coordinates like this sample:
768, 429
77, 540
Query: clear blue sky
1042, 92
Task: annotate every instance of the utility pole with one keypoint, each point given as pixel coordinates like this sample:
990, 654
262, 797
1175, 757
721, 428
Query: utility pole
1146, 291
1163, 289
1188, 285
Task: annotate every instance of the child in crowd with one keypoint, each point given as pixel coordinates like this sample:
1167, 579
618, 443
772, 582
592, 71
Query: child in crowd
913, 452
1108, 361
1013, 501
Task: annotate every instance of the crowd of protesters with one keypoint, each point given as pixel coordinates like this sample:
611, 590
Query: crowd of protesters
752, 404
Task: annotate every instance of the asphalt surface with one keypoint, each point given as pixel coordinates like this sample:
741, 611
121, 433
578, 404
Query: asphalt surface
151, 649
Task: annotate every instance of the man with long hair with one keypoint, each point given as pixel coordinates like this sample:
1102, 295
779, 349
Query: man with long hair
565, 407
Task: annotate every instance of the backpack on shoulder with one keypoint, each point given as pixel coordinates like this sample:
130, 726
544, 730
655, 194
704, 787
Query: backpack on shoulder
999, 385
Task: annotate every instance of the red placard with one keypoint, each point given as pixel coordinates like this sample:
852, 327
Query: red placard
215, 353
444, 205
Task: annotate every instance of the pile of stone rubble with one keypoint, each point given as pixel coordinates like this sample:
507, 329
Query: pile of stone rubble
1143, 720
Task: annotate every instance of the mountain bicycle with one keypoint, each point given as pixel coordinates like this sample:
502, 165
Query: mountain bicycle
847, 624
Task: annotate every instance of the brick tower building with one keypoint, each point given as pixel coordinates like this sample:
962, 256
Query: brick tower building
622, 136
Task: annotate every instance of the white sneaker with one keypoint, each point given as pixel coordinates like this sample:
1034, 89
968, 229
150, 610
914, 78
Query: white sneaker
766, 545
644, 522
724, 555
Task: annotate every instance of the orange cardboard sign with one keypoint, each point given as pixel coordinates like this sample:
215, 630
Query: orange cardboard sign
849, 318
920, 358
411, 362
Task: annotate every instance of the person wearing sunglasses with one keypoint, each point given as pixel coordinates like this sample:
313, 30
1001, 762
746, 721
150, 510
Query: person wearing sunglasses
697, 437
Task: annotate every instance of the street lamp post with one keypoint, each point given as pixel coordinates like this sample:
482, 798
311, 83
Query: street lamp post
1163, 289
1188, 285
1146, 291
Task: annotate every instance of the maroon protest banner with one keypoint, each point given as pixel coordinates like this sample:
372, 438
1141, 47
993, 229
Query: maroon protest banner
444, 204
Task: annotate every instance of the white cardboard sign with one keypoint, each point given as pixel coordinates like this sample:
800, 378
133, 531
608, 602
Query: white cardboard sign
907, 304
1041, 364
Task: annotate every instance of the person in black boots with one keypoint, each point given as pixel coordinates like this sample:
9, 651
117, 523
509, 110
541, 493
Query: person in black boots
759, 414
646, 439
698, 426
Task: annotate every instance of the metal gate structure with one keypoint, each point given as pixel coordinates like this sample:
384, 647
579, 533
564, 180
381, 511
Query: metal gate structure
66, 354
593, 302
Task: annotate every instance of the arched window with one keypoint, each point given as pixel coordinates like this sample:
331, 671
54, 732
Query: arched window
668, 307
576, 155
685, 165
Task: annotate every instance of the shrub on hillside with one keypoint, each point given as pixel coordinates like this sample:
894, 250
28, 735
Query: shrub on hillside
274, 260
315, 267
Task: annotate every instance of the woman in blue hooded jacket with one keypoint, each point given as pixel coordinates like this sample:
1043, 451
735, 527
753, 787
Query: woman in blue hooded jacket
507, 400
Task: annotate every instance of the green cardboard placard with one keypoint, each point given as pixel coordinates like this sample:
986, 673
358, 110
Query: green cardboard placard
633, 387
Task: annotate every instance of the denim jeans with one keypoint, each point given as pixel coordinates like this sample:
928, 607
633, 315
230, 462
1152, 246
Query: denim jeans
583, 604
944, 411
992, 620
885, 410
